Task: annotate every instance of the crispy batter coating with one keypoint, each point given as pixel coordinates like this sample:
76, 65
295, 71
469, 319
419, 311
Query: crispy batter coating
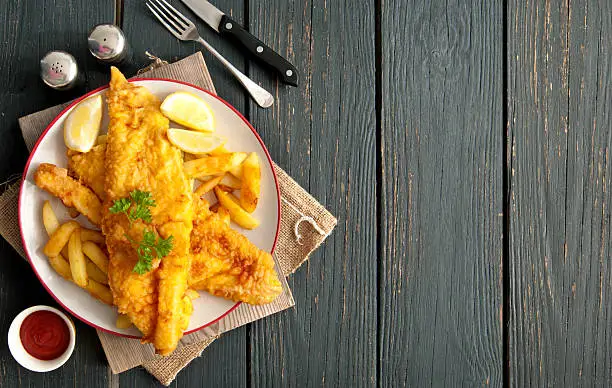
139, 156
55, 181
225, 263
89, 168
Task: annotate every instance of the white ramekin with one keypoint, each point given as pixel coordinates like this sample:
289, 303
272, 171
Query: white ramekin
23, 357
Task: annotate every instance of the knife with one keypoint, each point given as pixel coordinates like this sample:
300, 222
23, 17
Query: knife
228, 27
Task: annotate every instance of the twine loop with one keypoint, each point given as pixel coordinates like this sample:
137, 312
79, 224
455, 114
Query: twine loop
303, 218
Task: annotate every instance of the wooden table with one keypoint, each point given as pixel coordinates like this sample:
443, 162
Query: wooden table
464, 148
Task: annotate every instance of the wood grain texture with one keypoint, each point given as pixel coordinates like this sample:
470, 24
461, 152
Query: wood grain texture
441, 265
422, 306
224, 363
323, 135
28, 30
560, 120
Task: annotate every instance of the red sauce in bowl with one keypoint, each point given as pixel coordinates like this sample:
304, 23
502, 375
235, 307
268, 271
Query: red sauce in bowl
44, 335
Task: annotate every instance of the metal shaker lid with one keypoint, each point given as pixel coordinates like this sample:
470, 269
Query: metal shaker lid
107, 43
59, 70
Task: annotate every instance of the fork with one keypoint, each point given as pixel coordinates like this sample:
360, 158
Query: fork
184, 29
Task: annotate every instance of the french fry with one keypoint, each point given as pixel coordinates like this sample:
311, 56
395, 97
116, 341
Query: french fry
95, 273
219, 151
123, 321
78, 268
213, 165
237, 213
225, 188
234, 199
59, 238
96, 255
61, 266
101, 139
224, 214
192, 294
92, 235
51, 224
59, 263
215, 208
74, 213
231, 181
49, 218
236, 171
251, 182
100, 291
207, 186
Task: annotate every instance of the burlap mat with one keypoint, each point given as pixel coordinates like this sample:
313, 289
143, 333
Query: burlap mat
302, 216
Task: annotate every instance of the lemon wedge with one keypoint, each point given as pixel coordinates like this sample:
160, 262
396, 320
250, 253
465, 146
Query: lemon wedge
194, 142
83, 124
189, 110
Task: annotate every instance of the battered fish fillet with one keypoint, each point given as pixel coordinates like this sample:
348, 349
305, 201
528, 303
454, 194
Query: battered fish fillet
139, 156
224, 262
89, 168
55, 181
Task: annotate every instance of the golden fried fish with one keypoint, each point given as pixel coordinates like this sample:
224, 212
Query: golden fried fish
140, 157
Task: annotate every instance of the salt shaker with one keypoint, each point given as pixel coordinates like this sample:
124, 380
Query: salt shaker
108, 45
59, 70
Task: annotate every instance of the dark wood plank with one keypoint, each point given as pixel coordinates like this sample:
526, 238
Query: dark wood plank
27, 33
441, 264
224, 363
560, 116
323, 134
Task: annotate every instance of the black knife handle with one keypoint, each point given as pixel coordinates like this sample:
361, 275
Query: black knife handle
286, 71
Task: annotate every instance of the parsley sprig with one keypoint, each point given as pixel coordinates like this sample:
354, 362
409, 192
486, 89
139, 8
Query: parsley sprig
148, 248
137, 206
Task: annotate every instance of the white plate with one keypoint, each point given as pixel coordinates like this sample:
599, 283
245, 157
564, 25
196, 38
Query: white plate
51, 149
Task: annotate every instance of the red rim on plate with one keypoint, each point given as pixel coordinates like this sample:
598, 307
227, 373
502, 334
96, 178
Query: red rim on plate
61, 114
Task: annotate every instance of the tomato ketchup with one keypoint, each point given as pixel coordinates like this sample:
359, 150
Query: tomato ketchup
44, 335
